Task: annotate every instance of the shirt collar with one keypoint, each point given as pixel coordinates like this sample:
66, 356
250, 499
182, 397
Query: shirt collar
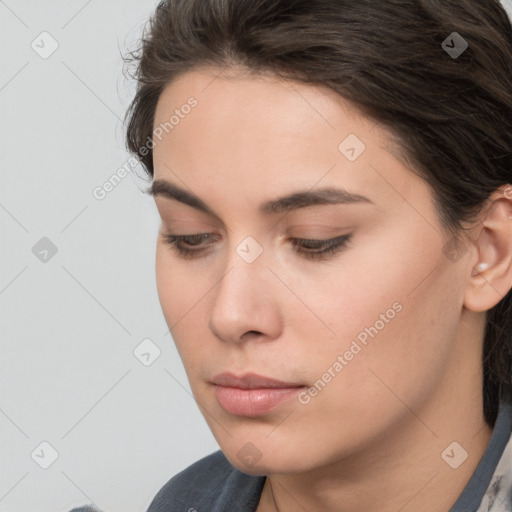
490, 487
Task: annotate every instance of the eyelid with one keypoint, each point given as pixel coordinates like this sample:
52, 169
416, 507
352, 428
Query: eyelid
321, 231
198, 226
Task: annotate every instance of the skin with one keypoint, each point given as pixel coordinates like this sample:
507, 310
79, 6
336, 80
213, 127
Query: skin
378, 428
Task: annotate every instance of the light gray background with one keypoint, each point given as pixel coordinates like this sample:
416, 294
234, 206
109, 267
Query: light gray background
69, 325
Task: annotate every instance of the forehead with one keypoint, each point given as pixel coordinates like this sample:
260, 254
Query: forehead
246, 132
257, 115
288, 106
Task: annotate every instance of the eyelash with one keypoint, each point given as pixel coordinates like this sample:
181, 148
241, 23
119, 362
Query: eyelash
325, 248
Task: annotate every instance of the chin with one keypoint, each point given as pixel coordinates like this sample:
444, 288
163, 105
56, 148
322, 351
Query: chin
265, 461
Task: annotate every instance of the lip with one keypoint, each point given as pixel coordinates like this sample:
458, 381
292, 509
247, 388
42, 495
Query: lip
251, 381
252, 394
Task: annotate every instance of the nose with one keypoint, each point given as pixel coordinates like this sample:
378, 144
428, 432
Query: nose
246, 304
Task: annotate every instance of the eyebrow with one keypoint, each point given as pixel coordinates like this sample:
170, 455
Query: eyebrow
293, 201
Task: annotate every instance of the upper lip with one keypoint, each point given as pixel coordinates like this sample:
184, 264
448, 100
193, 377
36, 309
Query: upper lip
250, 381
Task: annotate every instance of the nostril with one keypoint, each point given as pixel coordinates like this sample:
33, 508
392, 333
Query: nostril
252, 332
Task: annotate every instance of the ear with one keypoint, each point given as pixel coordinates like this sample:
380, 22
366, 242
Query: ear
490, 276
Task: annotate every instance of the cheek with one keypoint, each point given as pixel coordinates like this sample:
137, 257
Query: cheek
176, 293
364, 288
181, 286
167, 285
395, 319
184, 296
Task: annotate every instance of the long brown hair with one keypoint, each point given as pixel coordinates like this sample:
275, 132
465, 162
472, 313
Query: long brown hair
451, 113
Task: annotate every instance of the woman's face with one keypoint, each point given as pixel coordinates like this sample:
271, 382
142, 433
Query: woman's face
364, 328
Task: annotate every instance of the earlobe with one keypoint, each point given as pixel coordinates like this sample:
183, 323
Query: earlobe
491, 276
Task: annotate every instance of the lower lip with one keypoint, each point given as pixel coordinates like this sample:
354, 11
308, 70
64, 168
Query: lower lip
253, 402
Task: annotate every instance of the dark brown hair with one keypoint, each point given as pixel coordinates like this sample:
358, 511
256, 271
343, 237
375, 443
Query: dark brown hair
451, 114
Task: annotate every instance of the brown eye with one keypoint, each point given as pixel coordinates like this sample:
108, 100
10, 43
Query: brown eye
318, 249
190, 246
193, 246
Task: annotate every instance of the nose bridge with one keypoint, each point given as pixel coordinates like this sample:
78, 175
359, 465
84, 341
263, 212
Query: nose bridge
245, 268
243, 300
238, 289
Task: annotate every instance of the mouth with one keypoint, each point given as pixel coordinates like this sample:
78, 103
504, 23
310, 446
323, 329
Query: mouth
251, 394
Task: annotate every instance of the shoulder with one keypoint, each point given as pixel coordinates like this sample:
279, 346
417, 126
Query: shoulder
210, 484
